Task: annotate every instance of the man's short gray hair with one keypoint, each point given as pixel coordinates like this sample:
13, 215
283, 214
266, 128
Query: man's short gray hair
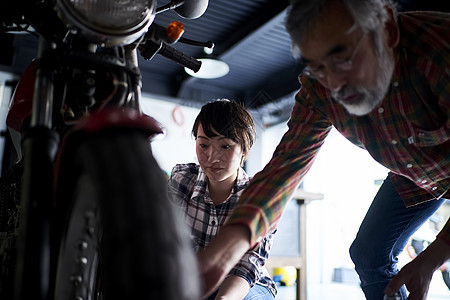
302, 15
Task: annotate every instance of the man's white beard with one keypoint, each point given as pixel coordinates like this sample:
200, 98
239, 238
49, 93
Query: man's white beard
369, 97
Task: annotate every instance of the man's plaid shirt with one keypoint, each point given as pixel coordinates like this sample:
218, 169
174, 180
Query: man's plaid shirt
409, 132
188, 190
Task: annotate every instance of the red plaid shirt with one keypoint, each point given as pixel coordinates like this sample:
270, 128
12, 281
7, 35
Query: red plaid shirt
409, 132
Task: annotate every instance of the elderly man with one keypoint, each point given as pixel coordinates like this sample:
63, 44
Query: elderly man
382, 79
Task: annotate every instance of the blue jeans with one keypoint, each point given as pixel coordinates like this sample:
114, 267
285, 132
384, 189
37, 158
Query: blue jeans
382, 236
257, 292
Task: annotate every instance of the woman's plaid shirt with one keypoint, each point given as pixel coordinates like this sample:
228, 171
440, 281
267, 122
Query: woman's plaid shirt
409, 132
188, 189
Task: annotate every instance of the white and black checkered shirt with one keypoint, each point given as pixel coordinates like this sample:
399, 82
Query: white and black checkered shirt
188, 189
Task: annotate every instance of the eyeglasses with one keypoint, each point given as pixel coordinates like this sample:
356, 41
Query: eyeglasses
341, 62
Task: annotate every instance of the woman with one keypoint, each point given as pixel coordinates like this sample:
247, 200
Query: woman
207, 193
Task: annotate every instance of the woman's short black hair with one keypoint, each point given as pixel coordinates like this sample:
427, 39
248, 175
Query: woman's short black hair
230, 119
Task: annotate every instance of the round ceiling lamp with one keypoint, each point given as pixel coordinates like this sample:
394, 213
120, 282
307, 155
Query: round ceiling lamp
210, 69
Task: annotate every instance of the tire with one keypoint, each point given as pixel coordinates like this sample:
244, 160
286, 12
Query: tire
121, 239
10, 187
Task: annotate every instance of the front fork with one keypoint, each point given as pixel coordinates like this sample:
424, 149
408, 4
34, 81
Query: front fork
40, 145
132, 63
35, 260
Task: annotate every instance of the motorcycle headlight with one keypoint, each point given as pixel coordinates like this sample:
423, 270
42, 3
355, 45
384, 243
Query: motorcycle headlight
106, 22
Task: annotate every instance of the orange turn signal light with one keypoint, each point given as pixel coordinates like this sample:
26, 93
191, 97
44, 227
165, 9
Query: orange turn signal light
175, 30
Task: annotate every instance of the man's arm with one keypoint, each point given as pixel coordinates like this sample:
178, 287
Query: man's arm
262, 202
224, 251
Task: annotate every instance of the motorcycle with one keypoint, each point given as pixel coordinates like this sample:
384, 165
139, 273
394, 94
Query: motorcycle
83, 210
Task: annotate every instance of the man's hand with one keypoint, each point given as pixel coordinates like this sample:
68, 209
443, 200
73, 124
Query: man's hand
417, 274
415, 277
220, 256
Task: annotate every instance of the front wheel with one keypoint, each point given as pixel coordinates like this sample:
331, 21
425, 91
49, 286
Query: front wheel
121, 239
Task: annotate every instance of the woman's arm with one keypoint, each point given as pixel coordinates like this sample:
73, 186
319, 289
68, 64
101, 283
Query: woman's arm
233, 288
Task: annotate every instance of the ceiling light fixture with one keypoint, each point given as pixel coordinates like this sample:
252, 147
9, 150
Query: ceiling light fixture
210, 69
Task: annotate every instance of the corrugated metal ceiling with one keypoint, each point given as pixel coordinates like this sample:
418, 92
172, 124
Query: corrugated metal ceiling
249, 35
